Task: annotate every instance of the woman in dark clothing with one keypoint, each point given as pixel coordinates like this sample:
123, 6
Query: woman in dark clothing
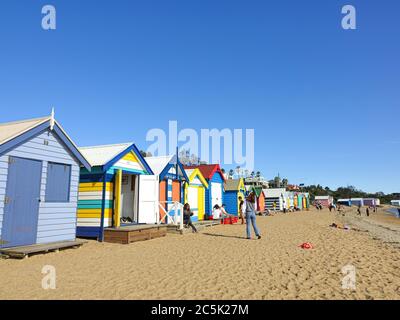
187, 213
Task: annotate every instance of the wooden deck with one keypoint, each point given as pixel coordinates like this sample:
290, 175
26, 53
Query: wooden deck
25, 251
198, 224
133, 233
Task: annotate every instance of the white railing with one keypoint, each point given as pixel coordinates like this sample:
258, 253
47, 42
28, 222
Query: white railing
172, 215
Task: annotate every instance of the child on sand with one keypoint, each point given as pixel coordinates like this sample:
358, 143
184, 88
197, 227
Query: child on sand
216, 213
223, 211
187, 213
249, 209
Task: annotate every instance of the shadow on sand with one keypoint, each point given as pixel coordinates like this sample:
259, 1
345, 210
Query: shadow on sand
221, 235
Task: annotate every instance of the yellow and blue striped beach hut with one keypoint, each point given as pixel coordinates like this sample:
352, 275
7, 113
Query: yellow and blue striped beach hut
109, 193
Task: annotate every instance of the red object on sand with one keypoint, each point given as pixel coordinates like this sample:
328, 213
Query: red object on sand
229, 220
306, 245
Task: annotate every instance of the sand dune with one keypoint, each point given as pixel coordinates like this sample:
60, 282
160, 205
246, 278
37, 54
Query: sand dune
218, 263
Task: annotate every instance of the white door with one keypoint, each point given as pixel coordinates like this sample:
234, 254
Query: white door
193, 200
216, 194
148, 199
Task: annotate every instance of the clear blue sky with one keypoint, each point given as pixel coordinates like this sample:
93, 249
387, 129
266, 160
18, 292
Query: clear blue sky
324, 102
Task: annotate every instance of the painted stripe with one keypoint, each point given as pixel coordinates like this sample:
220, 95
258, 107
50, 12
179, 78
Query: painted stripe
113, 169
94, 204
86, 188
94, 213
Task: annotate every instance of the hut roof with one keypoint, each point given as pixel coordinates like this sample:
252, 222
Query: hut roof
100, 155
12, 133
233, 184
106, 156
193, 173
258, 191
208, 170
159, 164
11, 130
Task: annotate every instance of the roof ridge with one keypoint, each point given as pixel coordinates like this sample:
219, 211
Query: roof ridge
107, 145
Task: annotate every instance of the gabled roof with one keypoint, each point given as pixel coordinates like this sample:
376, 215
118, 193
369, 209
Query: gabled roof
208, 170
101, 155
258, 191
233, 184
10, 130
15, 133
160, 165
106, 156
193, 173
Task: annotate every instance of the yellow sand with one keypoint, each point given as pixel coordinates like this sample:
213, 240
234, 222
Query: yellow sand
218, 263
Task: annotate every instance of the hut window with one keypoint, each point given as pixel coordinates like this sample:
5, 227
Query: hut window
58, 182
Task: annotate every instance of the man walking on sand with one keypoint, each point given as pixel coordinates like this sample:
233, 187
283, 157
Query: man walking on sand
249, 210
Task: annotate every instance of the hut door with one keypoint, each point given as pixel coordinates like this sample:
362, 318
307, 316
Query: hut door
22, 198
216, 194
193, 200
176, 191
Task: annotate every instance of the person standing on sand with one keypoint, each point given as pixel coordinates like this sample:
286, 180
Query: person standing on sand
274, 205
249, 210
367, 211
241, 202
359, 210
187, 213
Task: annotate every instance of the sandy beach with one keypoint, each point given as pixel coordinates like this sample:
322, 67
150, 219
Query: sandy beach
218, 263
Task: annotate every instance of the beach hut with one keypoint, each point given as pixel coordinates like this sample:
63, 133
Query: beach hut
357, 202
277, 195
39, 176
395, 203
195, 193
164, 190
325, 201
345, 202
371, 202
109, 193
258, 191
307, 200
234, 188
215, 179
288, 200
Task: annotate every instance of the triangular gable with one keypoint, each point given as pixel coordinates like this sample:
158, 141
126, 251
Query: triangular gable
196, 174
127, 158
21, 135
258, 191
208, 170
174, 170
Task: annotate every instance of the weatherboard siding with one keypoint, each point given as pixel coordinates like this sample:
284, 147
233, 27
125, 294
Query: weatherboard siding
56, 221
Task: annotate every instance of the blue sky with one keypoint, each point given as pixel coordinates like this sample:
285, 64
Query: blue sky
324, 102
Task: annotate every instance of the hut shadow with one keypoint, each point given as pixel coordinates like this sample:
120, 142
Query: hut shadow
221, 235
